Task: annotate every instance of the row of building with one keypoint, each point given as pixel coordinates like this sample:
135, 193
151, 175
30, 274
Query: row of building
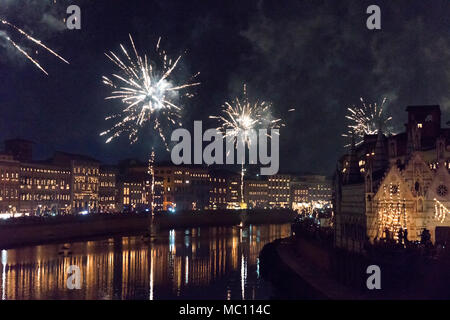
72, 183
292, 191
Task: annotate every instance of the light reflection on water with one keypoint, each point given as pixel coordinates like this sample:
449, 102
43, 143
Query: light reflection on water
216, 263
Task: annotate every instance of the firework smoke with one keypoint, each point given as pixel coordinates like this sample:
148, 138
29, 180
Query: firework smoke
30, 38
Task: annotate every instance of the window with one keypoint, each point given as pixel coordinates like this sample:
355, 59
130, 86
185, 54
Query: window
417, 186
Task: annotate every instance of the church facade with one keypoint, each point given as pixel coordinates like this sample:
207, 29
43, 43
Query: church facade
389, 184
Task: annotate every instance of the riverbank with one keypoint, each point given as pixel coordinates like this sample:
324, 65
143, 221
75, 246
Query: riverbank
312, 270
34, 230
301, 278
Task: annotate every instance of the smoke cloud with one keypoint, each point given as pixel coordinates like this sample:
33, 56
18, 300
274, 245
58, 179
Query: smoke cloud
39, 18
319, 57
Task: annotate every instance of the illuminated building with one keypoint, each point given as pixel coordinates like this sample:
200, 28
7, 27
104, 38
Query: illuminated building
185, 187
132, 195
395, 182
72, 183
45, 188
279, 191
256, 193
312, 191
224, 189
288, 191
166, 174
300, 196
319, 189
9, 184
107, 190
218, 191
134, 188
299, 192
234, 191
198, 196
85, 180
158, 194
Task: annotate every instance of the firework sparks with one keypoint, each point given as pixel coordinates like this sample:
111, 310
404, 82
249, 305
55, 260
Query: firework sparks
32, 39
147, 91
241, 118
366, 120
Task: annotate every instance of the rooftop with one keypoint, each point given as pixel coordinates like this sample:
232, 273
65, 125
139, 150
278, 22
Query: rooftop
74, 156
434, 107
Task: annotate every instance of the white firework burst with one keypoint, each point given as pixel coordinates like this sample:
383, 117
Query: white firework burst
147, 90
366, 119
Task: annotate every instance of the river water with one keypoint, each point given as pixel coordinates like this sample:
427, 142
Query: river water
195, 263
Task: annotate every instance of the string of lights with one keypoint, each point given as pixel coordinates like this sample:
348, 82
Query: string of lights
440, 211
392, 213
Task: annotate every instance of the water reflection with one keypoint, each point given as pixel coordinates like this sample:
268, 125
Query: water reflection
216, 263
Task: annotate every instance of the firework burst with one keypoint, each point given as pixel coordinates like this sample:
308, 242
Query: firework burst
241, 118
147, 91
366, 119
32, 39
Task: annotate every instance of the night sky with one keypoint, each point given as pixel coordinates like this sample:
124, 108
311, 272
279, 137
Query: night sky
315, 56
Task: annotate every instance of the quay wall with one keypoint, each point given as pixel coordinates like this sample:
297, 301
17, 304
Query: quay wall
28, 231
405, 274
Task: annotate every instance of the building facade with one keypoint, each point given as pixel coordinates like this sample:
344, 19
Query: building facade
132, 195
299, 195
256, 194
311, 191
225, 192
185, 187
73, 183
218, 193
279, 194
9, 184
85, 172
158, 194
391, 184
234, 191
107, 190
44, 188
